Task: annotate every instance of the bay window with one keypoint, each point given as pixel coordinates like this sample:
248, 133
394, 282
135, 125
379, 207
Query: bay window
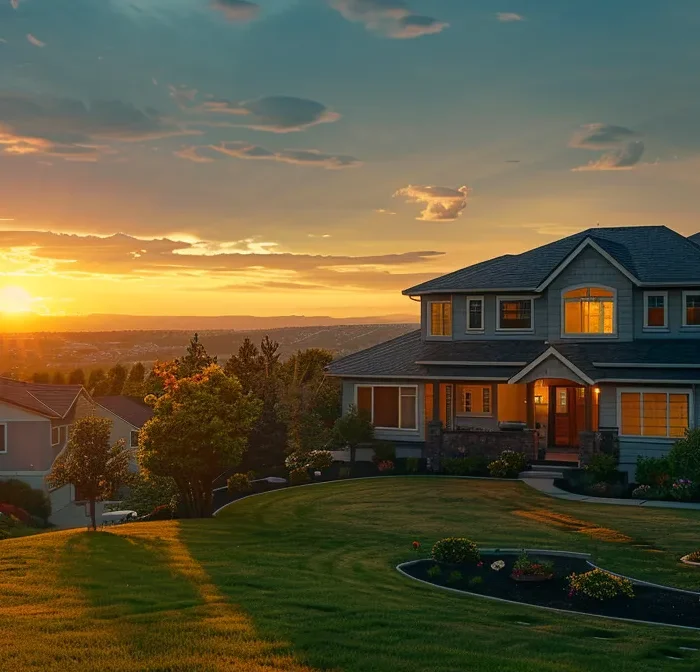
691, 309
389, 406
655, 310
589, 311
440, 318
515, 313
657, 413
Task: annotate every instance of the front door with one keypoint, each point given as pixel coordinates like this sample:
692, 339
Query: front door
566, 415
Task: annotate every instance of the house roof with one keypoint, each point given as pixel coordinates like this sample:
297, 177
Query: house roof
406, 357
649, 254
52, 401
131, 409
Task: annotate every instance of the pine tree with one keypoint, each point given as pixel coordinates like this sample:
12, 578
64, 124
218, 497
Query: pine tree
135, 385
76, 377
58, 378
246, 365
196, 359
41, 377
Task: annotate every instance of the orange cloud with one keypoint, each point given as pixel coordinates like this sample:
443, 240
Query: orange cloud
442, 204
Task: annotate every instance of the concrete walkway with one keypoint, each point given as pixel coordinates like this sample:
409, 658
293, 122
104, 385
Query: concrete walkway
546, 487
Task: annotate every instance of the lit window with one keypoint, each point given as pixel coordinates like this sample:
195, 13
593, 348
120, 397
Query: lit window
661, 414
655, 311
474, 400
589, 310
389, 407
691, 312
515, 314
441, 318
475, 314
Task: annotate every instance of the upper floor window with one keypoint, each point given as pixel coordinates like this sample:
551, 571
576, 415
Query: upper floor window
691, 309
655, 310
589, 310
475, 313
441, 318
515, 313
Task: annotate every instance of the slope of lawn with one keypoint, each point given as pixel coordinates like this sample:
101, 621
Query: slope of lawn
304, 579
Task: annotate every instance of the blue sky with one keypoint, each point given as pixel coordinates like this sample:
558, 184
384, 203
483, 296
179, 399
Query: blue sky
285, 156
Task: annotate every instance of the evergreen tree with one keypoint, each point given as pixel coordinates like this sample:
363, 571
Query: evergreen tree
41, 377
58, 378
96, 377
76, 377
116, 377
135, 385
195, 361
246, 365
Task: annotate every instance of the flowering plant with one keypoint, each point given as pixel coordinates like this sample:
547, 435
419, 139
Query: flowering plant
385, 465
498, 565
600, 585
524, 566
682, 489
416, 545
641, 492
455, 551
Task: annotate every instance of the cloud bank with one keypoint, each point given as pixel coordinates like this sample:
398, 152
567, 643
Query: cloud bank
390, 18
245, 150
622, 150
442, 204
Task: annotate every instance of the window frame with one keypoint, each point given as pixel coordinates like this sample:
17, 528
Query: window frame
684, 309
3, 429
588, 285
413, 386
57, 429
462, 398
131, 438
430, 333
641, 391
475, 330
647, 296
515, 330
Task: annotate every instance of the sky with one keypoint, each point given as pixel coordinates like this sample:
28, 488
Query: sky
277, 157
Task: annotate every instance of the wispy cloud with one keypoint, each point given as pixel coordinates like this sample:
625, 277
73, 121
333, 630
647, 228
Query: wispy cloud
383, 211
237, 10
391, 18
442, 204
35, 41
509, 17
245, 150
622, 150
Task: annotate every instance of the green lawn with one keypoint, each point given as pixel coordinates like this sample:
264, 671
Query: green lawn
304, 579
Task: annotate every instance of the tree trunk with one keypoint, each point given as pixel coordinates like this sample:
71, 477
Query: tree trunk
93, 517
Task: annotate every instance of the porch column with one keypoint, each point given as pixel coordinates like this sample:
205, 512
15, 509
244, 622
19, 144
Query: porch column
588, 409
436, 402
434, 439
530, 405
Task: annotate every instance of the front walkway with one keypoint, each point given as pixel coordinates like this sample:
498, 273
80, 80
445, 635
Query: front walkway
546, 487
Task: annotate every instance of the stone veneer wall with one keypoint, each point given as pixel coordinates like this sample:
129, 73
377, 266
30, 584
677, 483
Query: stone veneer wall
488, 444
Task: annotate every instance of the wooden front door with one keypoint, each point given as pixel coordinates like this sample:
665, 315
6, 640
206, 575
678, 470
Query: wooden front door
566, 408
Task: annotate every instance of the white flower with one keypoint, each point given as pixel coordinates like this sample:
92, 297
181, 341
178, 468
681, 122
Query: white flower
498, 565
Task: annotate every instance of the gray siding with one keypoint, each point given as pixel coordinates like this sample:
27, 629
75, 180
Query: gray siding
631, 449
28, 446
675, 317
591, 268
387, 434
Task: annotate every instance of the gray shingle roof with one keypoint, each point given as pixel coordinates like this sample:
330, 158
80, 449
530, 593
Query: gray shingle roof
131, 409
53, 401
653, 254
398, 358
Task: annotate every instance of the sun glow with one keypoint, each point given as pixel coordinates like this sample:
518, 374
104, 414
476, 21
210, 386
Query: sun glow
15, 300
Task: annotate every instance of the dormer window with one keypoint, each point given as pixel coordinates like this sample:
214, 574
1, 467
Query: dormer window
589, 311
440, 318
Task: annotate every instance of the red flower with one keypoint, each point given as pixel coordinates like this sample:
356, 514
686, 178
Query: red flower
416, 545
480, 564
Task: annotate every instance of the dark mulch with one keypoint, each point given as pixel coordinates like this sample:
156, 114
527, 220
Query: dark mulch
658, 605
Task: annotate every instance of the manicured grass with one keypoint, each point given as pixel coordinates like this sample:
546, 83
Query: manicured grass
305, 576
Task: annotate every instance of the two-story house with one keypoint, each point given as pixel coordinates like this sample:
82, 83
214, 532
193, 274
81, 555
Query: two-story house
596, 331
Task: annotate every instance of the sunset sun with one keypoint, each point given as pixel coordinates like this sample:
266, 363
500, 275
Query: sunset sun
15, 299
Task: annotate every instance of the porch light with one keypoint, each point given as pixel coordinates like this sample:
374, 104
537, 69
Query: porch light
597, 390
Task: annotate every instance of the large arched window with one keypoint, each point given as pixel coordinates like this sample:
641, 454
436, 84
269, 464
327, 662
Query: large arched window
589, 310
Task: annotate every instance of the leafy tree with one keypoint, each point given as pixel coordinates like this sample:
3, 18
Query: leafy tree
146, 493
246, 365
58, 378
116, 378
199, 429
95, 379
90, 464
195, 361
41, 377
352, 430
76, 377
684, 457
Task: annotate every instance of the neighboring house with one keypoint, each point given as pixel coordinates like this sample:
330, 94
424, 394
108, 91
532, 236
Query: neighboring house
598, 332
128, 415
34, 425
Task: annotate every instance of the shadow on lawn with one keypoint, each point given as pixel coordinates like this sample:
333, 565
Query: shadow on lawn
162, 604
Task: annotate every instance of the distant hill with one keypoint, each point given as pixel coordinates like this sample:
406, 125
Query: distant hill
106, 322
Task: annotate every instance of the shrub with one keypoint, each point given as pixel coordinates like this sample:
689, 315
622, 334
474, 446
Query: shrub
385, 465
684, 458
476, 581
525, 566
641, 492
455, 550
299, 477
693, 557
344, 472
603, 468
148, 493
466, 466
384, 452
434, 571
239, 483
599, 489
652, 471
454, 577
683, 490
412, 465
315, 459
508, 465
12, 511
599, 585
32, 500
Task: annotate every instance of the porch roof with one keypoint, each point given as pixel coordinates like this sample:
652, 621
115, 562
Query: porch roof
409, 357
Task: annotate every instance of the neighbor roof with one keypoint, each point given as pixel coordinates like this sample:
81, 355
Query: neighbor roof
650, 254
131, 409
53, 401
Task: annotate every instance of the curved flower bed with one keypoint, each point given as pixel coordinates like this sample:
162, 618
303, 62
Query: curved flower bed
491, 578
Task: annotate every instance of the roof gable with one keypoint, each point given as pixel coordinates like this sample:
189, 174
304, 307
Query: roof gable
130, 409
53, 401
